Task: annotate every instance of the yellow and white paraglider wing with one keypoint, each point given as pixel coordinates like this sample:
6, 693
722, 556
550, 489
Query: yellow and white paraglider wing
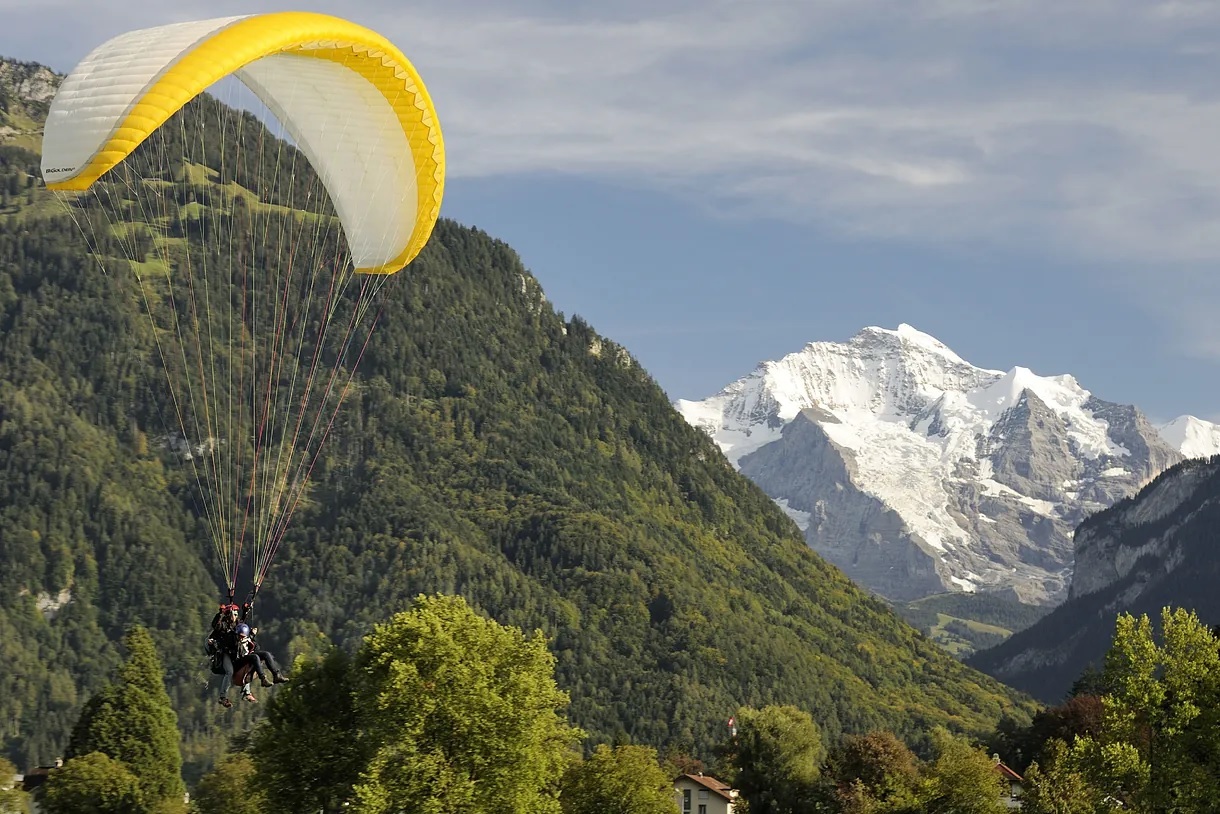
349, 99
255, 316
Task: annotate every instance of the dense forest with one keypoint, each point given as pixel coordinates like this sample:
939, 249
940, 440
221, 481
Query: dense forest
491, 447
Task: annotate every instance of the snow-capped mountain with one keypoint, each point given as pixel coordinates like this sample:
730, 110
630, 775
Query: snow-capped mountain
917, 472
1193, 437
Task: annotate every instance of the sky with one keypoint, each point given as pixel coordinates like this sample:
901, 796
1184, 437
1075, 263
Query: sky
714, 183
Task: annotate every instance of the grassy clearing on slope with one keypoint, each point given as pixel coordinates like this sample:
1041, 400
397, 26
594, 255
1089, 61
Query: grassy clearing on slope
36, 202
979, 627
28, 133
965, 623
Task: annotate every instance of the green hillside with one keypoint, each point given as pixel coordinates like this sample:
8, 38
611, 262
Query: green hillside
492, 447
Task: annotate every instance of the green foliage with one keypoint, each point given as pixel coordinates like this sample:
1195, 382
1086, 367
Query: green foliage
13, 799
1160, 737
775, 759
1057, 784
132, 722
94, 783
871, 773
622, 780
92, 537
229, 788
307, 750
463, 714
962, 779
1113, 770
1150, 741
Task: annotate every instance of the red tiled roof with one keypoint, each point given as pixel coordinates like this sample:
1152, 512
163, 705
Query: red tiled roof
1003, 769
711, 783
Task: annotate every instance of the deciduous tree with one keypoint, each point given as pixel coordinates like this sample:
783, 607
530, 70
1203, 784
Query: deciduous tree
13, 799
1056, 785
462, 714
94, 784
776, 758
875, 772
1159, 743
961, 779
622, 780
229, 788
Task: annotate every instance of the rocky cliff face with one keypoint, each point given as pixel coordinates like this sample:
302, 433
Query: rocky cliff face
1142, 537
916, 472
28, 82
26, 90
1147, 552
854, 530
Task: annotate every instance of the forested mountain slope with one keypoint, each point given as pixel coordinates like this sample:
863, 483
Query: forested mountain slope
491, 447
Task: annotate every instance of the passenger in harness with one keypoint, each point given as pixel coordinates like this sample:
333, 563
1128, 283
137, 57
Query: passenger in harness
269, 662
252, 660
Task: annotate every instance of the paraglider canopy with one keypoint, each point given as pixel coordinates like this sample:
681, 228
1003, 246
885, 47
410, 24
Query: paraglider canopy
348, 97
261, 274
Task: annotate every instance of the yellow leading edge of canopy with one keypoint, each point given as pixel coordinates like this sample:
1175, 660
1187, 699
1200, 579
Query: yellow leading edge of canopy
308, 34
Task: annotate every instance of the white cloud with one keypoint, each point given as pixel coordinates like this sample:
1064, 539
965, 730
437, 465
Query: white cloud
1085, 128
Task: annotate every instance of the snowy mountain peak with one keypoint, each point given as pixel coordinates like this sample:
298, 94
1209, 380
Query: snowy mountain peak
916, 471
1195, 437
912, 337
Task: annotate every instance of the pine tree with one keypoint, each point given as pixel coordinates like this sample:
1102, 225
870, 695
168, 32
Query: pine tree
133, 722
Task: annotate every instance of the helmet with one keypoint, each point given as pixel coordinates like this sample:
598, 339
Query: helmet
243, 629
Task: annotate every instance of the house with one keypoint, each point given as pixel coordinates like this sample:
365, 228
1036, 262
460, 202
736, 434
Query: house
1012, 783
34, 779
701, 794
